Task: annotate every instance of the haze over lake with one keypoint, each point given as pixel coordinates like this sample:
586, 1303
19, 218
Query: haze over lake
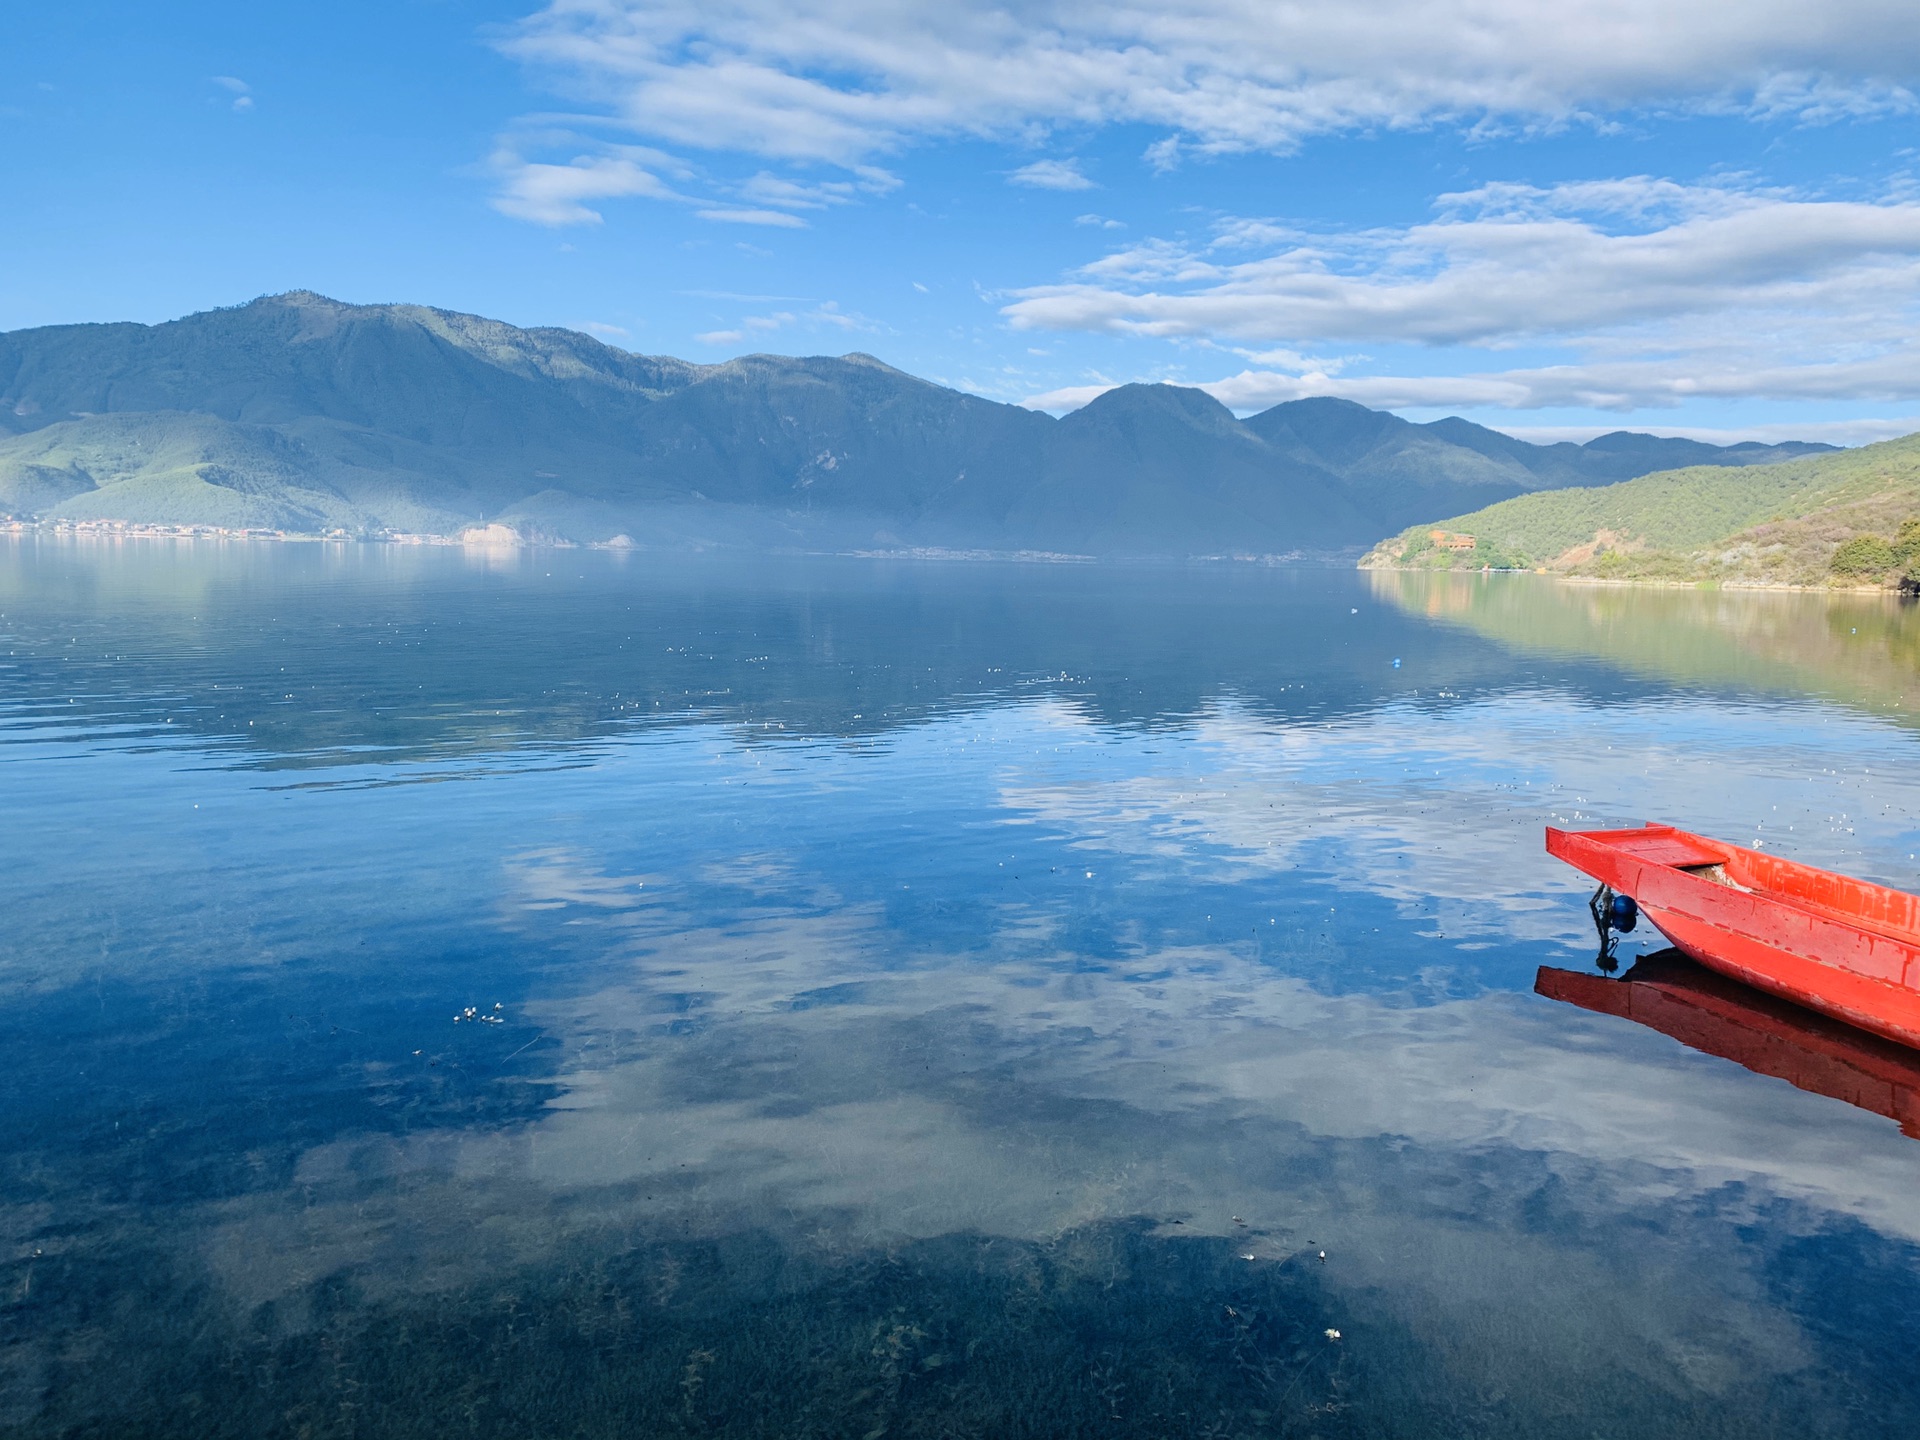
562, 992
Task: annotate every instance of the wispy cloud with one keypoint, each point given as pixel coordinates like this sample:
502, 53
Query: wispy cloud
769, 189
241, 91
536, 185
778, 190
844, 80
557, 194
824, 316
1051, 175
731, 215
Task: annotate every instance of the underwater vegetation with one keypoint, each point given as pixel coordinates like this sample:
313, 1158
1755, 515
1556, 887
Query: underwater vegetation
1112, 1329
1107, 1330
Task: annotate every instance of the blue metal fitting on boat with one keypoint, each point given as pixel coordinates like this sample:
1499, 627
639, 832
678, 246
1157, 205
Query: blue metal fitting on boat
1622, 913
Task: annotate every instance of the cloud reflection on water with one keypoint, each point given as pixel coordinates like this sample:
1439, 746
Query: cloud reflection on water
1029, 969
788, 1070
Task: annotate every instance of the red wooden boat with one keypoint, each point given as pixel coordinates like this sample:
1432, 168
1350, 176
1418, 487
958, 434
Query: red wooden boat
1669, 993
1829, 942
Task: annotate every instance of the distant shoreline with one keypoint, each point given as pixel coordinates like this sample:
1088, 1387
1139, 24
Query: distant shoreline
476, 539
1650, 583
504, 538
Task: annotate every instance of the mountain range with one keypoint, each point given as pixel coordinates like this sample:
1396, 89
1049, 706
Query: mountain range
299, 413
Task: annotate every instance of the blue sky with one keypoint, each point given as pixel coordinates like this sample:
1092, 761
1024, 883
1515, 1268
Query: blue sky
1553, 219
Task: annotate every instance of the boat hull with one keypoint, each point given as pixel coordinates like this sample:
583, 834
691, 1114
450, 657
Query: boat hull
1831, 943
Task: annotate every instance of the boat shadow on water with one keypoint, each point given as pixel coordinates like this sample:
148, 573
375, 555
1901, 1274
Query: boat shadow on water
1668, 992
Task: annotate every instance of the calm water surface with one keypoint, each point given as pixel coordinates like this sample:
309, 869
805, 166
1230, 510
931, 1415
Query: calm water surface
565, 994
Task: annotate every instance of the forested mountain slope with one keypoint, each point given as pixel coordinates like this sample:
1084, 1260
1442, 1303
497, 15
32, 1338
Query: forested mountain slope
300, 413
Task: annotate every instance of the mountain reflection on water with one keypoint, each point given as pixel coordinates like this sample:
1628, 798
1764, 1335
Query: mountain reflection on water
1860, 649
338, 654
906, 999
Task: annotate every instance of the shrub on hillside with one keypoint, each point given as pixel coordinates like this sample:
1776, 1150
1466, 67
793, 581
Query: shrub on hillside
1906, 545
1863, 555
1499, 557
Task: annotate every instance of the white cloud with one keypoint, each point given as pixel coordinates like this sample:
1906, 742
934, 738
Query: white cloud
721, 337
556, 194
1833, 432
1051, 175
1501, 265
1617, 386
1661, 293
1620, 387
829, 313
603, 330
1068, 397
843, 80
1099, 222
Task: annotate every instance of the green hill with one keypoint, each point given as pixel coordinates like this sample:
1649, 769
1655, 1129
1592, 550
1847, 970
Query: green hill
1849, 517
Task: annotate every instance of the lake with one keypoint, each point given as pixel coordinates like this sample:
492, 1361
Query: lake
571, 993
